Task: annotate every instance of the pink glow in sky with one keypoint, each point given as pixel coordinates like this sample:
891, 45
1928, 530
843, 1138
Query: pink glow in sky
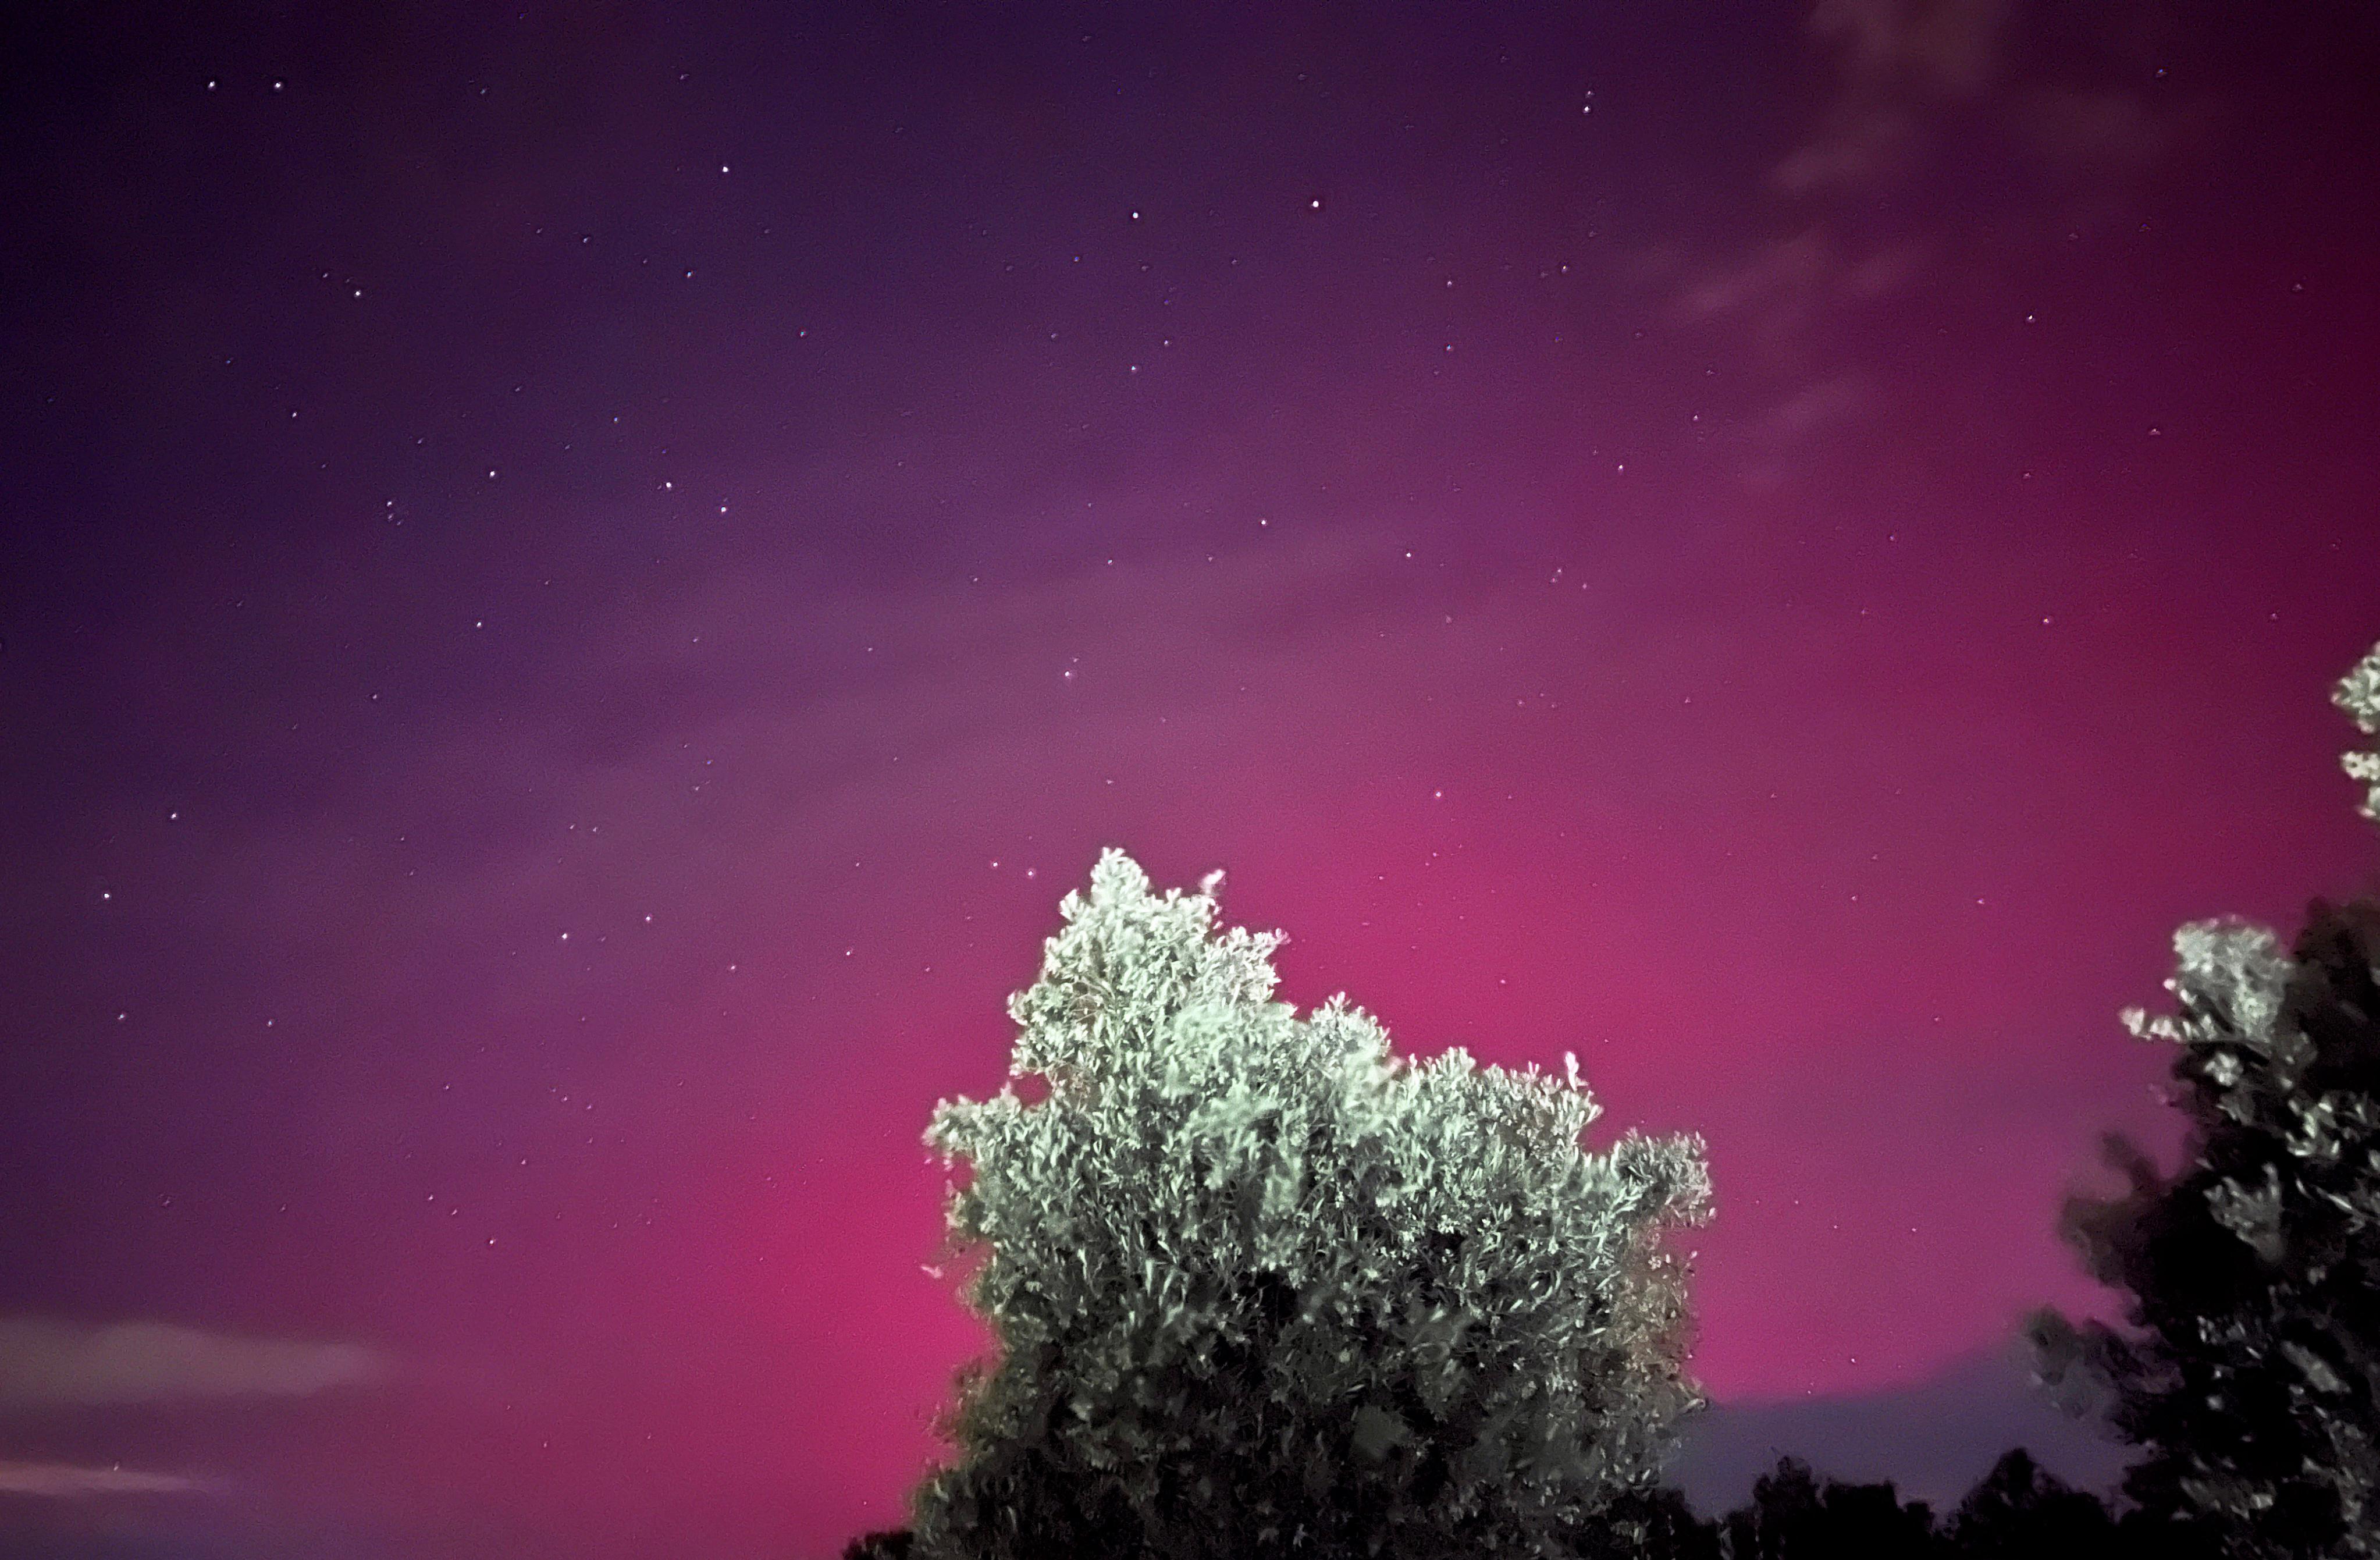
576, 594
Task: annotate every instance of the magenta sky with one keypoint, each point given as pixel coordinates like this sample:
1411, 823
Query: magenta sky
578, 588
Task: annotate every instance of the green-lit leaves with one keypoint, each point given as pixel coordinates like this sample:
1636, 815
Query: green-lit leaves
1377, 1431
2359, 694
1381, 1301
2251, 1213
2255, 1269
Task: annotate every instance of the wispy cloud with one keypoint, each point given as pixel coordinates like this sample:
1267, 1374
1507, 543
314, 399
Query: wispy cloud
65, 1480
1814, 407
1896, 67
1789, 270
1946, 46
47, 1363
2109, 132
1780, 287
1908, 84
1896, 61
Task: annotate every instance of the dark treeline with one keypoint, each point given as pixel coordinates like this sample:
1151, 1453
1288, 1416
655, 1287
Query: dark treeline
2018, 1511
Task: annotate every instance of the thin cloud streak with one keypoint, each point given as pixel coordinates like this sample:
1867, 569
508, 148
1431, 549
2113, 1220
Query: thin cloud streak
1907, 84
47, 1363
68, 1482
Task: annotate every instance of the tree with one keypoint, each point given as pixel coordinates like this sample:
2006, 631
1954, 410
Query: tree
892, 1544
2358, 693
2255, 1271
1782, 1520
1792, 1515
1655, 1524
1258, 1289
2020, 1512
1868, 1522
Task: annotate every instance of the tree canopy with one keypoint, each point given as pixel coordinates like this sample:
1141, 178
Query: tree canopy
2253, 1273
1260, 1288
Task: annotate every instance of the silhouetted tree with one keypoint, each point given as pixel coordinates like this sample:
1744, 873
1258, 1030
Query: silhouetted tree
1869, 1520
2255, 1271
2144, 1535
892, 1544
2022, 1513
1261, 1291
1793, 1516
1654, 1524
1783, 1521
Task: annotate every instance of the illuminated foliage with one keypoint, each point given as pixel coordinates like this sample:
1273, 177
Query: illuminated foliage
1260, 1289
2359, 694
2254, 1272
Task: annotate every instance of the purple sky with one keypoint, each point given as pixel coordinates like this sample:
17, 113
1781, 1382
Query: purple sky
578, 583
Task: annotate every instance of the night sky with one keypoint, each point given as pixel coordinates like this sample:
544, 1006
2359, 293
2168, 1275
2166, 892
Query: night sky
577, 584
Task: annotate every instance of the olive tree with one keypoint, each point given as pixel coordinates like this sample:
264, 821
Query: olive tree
2253, 1273
1258, 1288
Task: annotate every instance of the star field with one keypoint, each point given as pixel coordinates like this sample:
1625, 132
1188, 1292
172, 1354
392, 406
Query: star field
579, 583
